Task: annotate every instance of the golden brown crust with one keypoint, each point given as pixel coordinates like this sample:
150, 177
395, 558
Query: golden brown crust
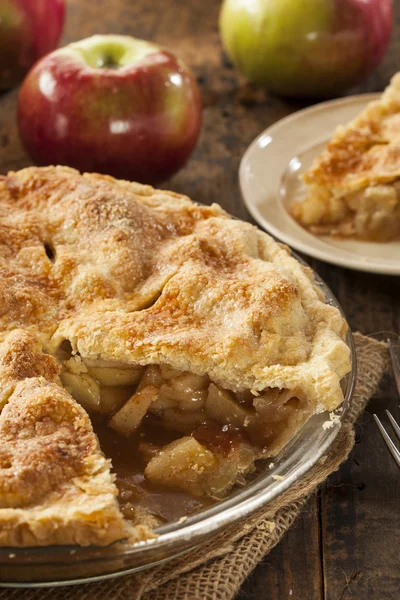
21, 358
46, 441
367, 150
55, 484
141, 275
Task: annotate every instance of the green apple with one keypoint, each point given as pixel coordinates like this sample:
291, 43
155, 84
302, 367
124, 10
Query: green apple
305, 47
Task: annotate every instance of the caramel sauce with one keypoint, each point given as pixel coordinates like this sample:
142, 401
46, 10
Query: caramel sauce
221, 439
137, 495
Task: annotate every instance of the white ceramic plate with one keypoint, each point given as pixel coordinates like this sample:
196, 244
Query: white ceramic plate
269, 180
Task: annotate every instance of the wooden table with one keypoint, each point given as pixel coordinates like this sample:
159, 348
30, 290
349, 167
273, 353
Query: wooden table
346, 544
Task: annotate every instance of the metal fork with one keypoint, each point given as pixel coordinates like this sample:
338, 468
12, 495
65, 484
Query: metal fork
394, 351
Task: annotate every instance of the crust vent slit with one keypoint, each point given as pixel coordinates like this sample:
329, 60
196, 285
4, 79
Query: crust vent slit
50, 251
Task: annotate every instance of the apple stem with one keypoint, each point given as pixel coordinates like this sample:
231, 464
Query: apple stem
107, 62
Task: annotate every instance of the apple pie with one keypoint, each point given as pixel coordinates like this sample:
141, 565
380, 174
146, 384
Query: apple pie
353, 187
137, 326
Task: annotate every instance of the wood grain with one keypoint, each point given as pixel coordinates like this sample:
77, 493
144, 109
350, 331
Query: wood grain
360, 514
294, 567
346, 544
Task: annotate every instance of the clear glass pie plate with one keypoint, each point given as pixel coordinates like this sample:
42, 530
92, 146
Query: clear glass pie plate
54, 566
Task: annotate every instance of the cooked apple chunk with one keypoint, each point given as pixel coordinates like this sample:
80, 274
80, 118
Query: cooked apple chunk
112, 398
116, 376
231, 470
187, 465
129, 417
275, 405
222, 407
182, 464
182, 421
83, 388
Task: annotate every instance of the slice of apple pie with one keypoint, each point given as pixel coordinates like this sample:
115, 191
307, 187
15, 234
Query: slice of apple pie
191, 343
354, 185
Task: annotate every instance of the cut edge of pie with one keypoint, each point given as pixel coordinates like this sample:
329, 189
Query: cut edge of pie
353, 187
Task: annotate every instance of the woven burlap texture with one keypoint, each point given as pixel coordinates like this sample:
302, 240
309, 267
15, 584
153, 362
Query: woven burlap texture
215, 571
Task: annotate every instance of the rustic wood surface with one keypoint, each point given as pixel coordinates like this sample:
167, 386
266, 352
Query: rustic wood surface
346, 544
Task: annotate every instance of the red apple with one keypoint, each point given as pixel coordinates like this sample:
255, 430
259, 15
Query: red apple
309, 48
28, 30
112, 104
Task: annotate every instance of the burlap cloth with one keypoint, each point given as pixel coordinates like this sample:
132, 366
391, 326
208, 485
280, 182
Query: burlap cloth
216, 570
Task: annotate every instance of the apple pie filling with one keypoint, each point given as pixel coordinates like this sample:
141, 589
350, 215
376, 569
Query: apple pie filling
188, 433
372, 213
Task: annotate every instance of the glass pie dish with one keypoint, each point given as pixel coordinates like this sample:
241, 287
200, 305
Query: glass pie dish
65, 565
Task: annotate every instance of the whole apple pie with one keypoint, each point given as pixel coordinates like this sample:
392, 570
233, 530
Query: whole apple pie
140, 327
354, 185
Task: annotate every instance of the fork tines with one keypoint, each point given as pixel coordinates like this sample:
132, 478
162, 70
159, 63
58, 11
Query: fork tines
392, 448
394, 351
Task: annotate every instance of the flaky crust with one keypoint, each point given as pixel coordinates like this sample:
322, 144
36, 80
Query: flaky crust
364, 152
146, 276
55, 484
132, 274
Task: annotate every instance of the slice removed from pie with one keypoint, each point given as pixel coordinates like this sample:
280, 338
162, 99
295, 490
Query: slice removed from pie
55, 483
353, 187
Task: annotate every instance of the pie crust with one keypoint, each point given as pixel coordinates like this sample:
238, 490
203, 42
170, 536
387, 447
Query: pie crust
353, 187
55, 483
135, 306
